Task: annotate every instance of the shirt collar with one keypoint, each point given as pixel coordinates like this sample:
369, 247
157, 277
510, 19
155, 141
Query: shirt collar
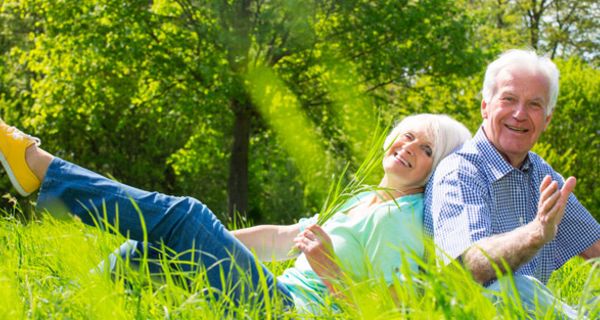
498, 166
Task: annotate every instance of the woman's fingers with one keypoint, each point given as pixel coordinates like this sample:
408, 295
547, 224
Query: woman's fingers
316, 229
305, 241
319, 233
313, 241
310, 235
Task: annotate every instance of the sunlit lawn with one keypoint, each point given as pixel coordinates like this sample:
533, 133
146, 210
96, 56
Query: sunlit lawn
45, 273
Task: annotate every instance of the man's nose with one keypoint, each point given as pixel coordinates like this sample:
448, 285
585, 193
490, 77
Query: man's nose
520, 111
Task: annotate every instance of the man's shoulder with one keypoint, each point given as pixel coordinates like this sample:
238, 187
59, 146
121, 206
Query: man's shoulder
539, 162
541, 167
467, 160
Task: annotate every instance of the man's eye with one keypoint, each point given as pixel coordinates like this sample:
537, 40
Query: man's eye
536, 105
409, 136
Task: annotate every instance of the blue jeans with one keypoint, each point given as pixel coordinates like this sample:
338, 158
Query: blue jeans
182, 224
533, 296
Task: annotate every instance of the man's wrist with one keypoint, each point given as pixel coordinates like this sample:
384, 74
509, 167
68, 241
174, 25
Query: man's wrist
535, 235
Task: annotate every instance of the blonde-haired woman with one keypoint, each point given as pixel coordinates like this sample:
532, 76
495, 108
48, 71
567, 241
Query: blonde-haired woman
379, 225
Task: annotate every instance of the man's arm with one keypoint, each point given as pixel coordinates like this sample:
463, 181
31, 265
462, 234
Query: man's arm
592, 252
520, 245
269, 242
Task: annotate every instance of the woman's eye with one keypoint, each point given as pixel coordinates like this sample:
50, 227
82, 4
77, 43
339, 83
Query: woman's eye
428, 151
409, 137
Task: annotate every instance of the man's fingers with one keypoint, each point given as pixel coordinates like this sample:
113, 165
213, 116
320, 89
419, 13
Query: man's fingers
567, 188
559, 201
545, 182
565, 191
549, 190
548, 200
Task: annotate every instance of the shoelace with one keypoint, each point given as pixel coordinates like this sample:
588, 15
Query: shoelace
18, 134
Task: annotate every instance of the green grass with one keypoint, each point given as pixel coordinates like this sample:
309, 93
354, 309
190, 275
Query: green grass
45, 273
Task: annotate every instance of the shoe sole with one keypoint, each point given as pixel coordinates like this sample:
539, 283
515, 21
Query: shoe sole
12, 177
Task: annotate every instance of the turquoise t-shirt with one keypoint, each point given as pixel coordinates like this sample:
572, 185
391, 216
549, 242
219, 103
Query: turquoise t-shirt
369, 245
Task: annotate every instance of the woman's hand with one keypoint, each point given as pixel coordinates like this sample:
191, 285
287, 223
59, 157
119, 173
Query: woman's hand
316, 245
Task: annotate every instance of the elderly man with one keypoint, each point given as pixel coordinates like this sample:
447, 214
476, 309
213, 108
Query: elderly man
495, 201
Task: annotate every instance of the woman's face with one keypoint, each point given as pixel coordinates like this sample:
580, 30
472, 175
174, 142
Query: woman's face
408, 161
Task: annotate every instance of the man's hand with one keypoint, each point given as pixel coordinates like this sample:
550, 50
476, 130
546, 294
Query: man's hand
551, 208
518, 246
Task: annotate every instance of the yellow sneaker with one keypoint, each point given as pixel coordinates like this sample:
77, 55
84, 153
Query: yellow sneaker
13, 144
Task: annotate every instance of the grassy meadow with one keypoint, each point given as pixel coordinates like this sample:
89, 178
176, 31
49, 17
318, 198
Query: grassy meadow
46, 272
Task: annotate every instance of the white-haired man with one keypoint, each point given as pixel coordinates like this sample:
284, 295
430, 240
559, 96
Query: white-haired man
494, 200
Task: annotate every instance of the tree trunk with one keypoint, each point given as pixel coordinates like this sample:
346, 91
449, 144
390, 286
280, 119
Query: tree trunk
237, 185
534, 15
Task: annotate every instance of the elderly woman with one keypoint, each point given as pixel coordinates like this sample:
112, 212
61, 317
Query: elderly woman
382, 228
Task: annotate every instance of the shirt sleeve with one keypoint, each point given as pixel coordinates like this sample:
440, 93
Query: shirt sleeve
395, 240
303, 223
460, 213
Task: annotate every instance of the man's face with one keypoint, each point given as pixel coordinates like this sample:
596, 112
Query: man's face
516, 114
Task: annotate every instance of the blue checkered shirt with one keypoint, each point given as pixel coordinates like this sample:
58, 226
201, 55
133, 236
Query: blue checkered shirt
475, 193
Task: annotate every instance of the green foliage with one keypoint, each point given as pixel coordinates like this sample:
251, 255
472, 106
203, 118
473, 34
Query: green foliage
145, 91
571, 144
108, 85
47, 273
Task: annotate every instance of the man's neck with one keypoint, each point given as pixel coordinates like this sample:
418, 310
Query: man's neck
515, 162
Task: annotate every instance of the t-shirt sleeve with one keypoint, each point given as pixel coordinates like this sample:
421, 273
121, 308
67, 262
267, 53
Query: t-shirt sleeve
460, 213
395, 241
303, 223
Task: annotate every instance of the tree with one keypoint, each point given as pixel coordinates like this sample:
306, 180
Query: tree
164, 84
559, 28
571, 144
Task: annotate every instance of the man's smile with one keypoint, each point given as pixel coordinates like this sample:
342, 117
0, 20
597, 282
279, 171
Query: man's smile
517, 129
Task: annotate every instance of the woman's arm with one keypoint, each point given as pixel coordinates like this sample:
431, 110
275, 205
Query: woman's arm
269, 242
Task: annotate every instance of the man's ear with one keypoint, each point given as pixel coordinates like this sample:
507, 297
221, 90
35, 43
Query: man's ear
484, 109
548, 118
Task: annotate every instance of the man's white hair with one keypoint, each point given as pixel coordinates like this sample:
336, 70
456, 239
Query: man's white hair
522, 59
445, 133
